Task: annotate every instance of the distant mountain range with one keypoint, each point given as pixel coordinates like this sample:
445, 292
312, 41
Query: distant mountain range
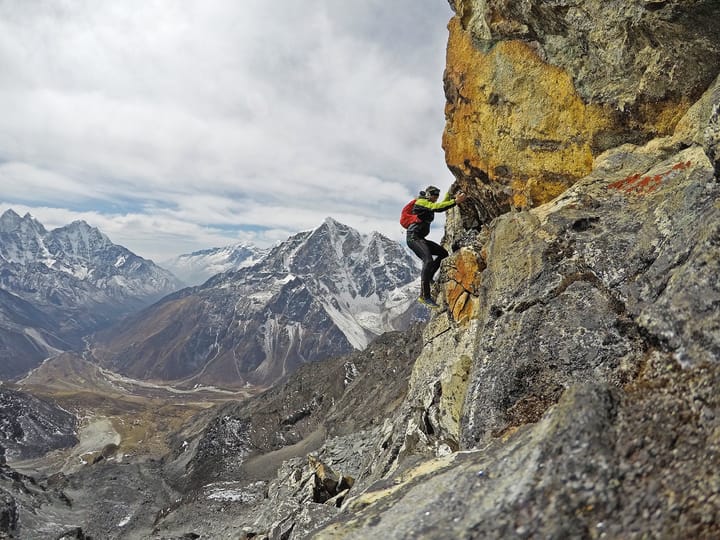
320, 293
195, 268
58, 286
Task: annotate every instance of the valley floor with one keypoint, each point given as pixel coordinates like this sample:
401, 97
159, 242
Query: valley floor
119, 417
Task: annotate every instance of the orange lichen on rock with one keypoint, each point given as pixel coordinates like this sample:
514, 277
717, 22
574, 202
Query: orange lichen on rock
509, 111
661, 118
462, 285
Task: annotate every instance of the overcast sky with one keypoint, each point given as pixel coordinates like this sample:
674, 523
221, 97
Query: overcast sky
177, 125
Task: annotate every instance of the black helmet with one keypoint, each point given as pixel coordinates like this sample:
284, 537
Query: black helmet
432, 190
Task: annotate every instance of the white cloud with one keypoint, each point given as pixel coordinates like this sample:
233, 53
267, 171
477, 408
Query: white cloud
181, 125
23, 180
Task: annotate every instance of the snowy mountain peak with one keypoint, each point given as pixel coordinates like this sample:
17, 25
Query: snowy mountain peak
196, 267
353, 275
338, 227
81, 225
81, 251
225, 249
333, 224
331, 239
11, 221
81, 239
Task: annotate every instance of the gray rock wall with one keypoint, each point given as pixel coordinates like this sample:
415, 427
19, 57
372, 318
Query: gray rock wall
570, 387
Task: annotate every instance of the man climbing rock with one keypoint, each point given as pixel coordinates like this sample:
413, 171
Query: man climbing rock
430, 252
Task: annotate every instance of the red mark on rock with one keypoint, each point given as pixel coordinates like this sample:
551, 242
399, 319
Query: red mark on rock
642, 185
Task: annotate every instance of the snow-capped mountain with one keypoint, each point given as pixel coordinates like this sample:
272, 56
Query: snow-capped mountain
196, 267
62, 284
320, 293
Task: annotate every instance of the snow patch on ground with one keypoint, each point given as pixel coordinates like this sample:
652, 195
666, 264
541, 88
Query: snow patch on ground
236, 492
365, 318
40, 340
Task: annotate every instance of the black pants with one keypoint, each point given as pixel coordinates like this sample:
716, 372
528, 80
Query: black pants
432, 255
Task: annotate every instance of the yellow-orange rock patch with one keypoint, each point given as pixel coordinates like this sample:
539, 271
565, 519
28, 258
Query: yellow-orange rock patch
517, 118
462, 286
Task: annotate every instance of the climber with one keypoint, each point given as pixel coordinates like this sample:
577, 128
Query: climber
430, 252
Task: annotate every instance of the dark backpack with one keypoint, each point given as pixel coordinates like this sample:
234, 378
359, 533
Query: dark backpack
407, 217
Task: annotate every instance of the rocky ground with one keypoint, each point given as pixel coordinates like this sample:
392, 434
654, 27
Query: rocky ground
276, 463
240, 468
31, 427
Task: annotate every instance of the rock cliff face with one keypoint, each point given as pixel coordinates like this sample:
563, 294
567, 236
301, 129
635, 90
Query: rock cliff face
537, 90
569, 390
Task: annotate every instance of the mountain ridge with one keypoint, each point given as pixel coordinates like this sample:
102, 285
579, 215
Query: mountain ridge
197, 267
320, 293
73, 279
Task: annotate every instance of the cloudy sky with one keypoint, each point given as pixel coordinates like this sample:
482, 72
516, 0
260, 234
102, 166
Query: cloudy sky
177, 125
